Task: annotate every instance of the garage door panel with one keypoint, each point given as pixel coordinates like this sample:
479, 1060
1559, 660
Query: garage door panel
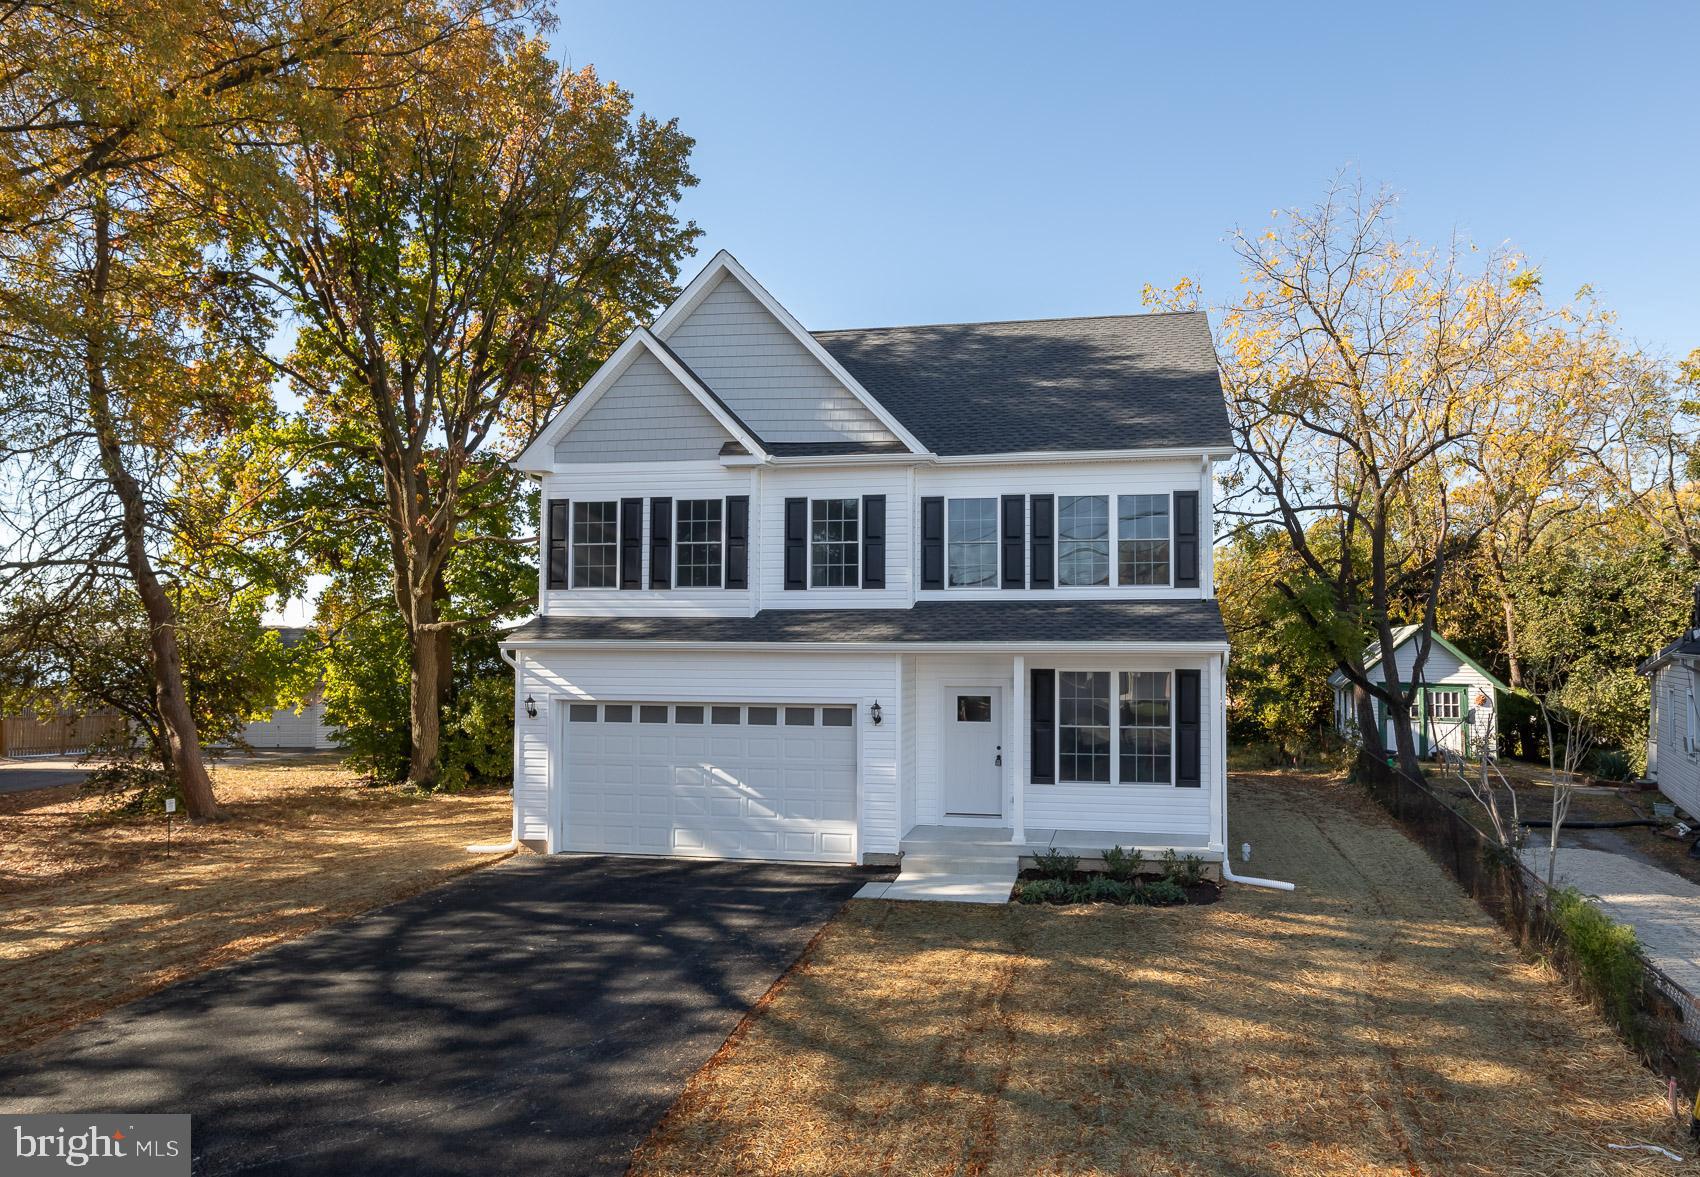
716, 789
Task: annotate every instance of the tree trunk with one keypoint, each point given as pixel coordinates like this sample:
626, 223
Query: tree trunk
426, 681
182, 746
1369, 731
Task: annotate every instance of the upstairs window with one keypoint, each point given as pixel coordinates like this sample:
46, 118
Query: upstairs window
835, 549
596, 544
1142, 536
1083, 540
700, 534
1146, 728
971, 531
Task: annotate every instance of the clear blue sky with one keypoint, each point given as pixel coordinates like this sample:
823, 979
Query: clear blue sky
880, 163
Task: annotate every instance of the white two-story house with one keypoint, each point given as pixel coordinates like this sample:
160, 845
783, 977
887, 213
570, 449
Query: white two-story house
805, 593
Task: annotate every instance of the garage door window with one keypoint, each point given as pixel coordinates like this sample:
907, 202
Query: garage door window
583, 713
835, 716
652, 713
764, 716
799, 717
617, 713
683, 714
727, 715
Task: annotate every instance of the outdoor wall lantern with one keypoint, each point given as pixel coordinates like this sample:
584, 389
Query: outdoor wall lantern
874, 713
530, 707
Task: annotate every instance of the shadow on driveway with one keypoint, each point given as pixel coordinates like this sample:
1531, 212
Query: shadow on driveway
17, 776
541, 1014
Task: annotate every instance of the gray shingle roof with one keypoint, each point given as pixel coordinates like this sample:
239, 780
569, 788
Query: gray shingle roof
1117, 382
932, 621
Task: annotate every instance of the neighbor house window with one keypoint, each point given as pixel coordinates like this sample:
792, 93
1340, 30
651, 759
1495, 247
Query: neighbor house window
1146, 727
1083, 540
1083, 725
1446, 705
596, 544
699, 539
1142, 539
835, 548
971, 530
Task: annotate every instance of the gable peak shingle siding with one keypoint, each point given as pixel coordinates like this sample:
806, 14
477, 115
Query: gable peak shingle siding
1112, 382
646, 415
754, 364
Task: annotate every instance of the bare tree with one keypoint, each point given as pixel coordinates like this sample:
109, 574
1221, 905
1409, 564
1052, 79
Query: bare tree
1366, 376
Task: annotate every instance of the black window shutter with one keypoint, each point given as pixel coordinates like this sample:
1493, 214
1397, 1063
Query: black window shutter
796, 543
631, 543
932, 543
556, 539
1043, 703
873, 541
737, 542
1186, 539
1044, 541
1014, 541
1186, 729
660, 543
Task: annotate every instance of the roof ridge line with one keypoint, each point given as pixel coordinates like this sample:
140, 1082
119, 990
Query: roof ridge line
1011, 322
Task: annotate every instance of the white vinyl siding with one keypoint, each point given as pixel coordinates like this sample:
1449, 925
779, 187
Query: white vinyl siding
1678, 770
848, 482
770, 380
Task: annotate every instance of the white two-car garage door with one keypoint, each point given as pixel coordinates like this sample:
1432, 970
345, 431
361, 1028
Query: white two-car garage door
712, 780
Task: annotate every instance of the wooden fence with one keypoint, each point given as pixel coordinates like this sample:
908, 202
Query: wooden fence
1663, 1021
61, 735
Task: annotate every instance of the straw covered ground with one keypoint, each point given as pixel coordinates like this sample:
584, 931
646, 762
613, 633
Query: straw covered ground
1373, 1022
93, 913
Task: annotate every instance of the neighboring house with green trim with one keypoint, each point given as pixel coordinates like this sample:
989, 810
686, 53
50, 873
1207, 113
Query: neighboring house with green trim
1447, 712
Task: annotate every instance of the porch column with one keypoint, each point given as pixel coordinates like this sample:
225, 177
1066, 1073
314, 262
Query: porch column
1015, 747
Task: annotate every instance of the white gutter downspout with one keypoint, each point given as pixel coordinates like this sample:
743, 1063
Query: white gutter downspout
1228, 875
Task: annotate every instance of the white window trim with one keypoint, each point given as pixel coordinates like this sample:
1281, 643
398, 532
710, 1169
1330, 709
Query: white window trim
572, 548
997, 543
1115, 781
1168, 538
1691, 732
674, 544
809, 550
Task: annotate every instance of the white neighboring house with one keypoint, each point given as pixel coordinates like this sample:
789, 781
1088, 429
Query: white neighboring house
287, 728
806, 594
1673, 722
1446, 712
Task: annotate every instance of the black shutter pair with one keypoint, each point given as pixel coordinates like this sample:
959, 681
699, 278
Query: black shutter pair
797, 542
1042, 739
1012, 544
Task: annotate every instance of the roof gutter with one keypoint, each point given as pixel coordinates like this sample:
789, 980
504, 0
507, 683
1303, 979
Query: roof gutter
842, 647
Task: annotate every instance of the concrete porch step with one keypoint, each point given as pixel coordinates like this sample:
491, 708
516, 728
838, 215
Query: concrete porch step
958, 864
941, 889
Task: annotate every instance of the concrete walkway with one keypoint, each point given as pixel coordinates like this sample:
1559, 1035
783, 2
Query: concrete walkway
1663, 908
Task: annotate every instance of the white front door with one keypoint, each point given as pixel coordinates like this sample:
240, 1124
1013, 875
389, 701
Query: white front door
973, 751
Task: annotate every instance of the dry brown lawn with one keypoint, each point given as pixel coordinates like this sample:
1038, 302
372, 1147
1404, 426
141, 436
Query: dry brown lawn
1373, 1022
93, 913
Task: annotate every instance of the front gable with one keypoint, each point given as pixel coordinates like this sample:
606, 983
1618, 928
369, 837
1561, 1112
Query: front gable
765, 374
646, 415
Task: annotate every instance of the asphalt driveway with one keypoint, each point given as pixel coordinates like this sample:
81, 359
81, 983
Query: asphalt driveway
539, 1015
17, 776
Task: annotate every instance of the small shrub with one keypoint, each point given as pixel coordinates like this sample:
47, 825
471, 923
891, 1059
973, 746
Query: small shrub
1160, 893
1191, 871
1171, 864
1605, 952
1123, 865
1077, 893
1103, 889
1056, 864
1611, 765
1042, 891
